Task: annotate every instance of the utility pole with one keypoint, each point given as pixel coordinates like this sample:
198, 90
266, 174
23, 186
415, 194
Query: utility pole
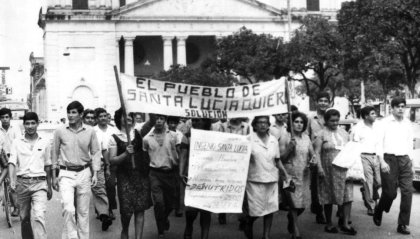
289, 19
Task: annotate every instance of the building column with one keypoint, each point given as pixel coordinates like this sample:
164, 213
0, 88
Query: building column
117, 54
129, 56
167, 52
181, 52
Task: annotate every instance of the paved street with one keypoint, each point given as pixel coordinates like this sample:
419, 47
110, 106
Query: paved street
363, 223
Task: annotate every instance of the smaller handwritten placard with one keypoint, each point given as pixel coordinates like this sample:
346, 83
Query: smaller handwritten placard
218, 169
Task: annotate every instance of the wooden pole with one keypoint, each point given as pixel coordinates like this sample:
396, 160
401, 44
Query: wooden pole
127, 130
292, 134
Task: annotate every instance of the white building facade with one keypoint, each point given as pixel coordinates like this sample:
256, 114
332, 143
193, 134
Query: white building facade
84, 39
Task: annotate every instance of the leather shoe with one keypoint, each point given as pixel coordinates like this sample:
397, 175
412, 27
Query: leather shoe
403, 229
377, 216
370, 212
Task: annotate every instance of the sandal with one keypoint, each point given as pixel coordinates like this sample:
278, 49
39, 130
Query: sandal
349, 231
331, 229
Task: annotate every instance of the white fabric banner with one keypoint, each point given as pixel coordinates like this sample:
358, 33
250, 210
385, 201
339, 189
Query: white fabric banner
217, 171
177, 99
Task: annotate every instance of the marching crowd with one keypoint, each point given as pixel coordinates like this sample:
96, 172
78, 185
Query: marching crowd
145, 164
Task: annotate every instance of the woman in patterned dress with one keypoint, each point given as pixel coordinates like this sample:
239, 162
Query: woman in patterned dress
333, 188
191, 213
298, 157
133, 185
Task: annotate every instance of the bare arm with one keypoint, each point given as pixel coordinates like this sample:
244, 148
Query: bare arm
117, 159
317, 149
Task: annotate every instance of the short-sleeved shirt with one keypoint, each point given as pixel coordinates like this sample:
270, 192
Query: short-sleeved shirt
278, 131
161, 156
104, 135
315, 124
76, 148
30, 162
366, 136
262, 166
243, 129
8, 136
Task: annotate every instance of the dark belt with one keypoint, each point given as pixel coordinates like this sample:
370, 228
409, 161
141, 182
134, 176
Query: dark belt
32, 178
373, 154
161, 170
75, 168
395, 155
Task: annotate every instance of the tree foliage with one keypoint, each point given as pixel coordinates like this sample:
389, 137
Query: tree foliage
389, 29
316, 46
256, 57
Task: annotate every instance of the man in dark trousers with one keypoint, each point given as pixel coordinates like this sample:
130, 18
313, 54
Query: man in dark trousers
395, 146
160, 143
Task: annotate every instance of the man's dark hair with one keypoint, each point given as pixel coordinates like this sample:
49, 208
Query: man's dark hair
6, 111
293, 108
30, 116
117, 118
295, 116
99, 111
323, 94
330, 113
365, 111
397, 101
75, 105
172, 119
88, 111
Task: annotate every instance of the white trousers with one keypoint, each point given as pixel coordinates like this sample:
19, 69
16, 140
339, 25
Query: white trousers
79, 182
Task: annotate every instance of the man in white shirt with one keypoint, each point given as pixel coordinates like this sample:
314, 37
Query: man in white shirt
100, 198
9, 133
364, 133
104, 132
395, 146
30, 161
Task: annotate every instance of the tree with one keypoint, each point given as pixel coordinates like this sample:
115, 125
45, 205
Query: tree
316, 46
255, 57
384, 27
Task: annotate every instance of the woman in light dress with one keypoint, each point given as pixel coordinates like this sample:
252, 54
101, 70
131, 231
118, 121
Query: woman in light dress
299, 155
261, 196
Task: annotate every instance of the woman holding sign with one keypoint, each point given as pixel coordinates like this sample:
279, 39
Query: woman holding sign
333, 188
133, 184
261, 196
299, 156
190, 212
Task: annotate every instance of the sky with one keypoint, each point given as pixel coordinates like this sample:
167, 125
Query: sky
19, 36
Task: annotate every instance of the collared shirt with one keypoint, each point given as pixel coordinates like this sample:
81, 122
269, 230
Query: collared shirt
315, 124
104, 136
366, 136
278, 131
76, 148
8, 136
161, 156
262, 166
395, 137
242, 129
30, 162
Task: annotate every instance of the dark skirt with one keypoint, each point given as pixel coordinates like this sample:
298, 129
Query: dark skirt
133, 192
